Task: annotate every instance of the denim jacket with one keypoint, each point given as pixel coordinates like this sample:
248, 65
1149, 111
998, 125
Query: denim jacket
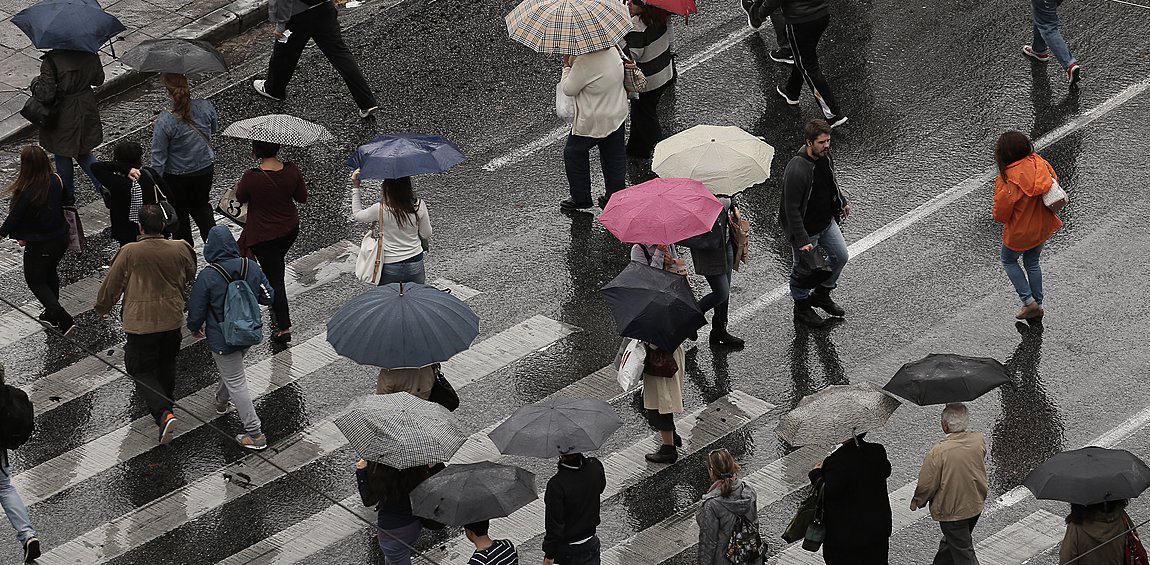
177, 148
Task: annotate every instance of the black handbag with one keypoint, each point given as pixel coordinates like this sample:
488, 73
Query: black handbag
442, 393
36, 112
797, 528
811, 269
171, 219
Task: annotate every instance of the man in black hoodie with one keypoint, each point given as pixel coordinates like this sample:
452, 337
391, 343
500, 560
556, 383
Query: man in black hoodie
809, 214
572, 511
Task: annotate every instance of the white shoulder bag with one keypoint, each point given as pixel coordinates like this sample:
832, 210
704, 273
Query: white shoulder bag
367, 263
1055, 199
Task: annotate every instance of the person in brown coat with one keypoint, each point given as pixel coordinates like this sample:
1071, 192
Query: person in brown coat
152, 276
1095, 534
66, 80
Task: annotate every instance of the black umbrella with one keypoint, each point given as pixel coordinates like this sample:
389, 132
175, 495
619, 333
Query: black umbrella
811, 269
1089, 476
554, 427
473, 492
180, 56
946, 377
653, 305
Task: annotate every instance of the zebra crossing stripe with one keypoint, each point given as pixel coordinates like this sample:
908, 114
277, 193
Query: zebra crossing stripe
680, 531
94, 215
1022, 540
176, 508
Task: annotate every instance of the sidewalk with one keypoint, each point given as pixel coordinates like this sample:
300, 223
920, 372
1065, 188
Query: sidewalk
210, 20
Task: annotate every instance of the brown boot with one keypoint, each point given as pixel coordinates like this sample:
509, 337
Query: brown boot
1030, 312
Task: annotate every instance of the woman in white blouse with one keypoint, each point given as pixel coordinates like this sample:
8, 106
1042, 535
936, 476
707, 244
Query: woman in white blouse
403, 225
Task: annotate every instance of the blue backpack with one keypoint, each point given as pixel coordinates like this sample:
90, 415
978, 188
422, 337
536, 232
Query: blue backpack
242, 324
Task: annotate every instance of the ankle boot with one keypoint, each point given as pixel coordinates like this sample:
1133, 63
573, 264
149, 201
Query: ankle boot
806, 315
666, 454
821, 298
678, 440
719, 336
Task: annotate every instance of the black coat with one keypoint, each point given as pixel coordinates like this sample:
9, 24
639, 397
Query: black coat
114, 176
857, 509
77, 129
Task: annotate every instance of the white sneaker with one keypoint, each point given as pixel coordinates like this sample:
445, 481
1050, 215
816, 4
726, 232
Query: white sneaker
258, 85
365, 114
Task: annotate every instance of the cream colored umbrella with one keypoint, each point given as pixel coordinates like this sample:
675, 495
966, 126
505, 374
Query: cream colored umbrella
726, 159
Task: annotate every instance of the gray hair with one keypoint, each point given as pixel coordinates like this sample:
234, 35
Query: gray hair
955, 416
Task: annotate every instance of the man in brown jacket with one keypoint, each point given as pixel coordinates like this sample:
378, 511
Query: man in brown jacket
953, 481
152, 275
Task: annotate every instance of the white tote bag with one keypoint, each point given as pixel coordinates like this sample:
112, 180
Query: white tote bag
631, 365
367, 262
1055, 199
564, 105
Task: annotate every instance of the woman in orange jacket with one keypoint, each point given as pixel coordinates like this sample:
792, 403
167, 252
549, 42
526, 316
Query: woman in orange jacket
1023, 177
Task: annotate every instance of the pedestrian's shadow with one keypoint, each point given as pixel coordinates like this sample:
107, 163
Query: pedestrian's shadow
805, 382
1048, 115
720, 386
1030, 428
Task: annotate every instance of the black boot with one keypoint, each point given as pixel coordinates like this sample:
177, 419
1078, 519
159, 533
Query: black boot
821, 298
806, 315
678, 440
666, 454
719, 336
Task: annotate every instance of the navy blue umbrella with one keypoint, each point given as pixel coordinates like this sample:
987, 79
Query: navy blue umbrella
77, 25
402, 326
393, 156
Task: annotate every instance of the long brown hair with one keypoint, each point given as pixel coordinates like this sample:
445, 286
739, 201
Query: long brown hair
722, 465
34, 180
398, 196
181, 95
652, 16
1011, 147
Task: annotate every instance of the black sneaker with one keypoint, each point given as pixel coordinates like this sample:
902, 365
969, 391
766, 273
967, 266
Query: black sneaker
31, 550
821, 298
806, 315
787, 97
783, 55
573, 206
753, 18
66, 326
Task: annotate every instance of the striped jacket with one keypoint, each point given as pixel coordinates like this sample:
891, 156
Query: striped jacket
650, 47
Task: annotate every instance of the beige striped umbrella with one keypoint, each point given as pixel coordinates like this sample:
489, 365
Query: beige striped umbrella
569, 27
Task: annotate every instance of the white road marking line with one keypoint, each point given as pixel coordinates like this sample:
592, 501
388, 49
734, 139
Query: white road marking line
680, 531
1019, 542
951, 195
1131, 4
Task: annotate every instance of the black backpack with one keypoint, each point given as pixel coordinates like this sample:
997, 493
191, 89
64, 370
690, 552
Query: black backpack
17, 421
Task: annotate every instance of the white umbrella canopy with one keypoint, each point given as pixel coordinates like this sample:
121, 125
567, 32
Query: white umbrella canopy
726, 159
283, 129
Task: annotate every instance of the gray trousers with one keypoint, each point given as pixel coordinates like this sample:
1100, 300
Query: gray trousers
957, 545
234, 387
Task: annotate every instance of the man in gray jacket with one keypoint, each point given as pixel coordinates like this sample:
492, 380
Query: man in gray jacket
297, 21
809, 214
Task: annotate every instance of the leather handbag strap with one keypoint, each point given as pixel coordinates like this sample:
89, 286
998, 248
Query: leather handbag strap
376, 274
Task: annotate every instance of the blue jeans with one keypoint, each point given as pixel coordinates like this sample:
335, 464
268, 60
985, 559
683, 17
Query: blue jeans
396, 545
1046, 34
831, 240
13, 504
1028, 283
68, 172
720, 296
407, 271
612, 157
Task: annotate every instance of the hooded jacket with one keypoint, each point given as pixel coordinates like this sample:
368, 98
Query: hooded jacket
795, 11
717, 520
77, 129
1083, 537
152, 275
206, 303
1026, 221
798, 181
953, 478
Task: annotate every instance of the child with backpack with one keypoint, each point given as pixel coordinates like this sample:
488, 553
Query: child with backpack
224, 308
16, 425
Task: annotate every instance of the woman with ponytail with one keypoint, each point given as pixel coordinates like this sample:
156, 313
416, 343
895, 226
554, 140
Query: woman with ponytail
182, 153
726, 500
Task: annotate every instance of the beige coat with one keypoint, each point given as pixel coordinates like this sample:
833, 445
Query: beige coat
663, 394
595, 80
953, 478
418, 382
152, 275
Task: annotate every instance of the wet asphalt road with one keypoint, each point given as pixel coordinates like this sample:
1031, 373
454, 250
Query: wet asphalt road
927, 89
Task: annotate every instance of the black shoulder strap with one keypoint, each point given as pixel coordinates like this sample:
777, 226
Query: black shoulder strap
645, 252
224, 272
244, 269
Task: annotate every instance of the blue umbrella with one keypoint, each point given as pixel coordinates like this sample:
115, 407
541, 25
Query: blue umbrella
77, 25
402, 326
393, 156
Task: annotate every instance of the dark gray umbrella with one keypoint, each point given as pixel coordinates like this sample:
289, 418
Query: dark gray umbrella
402, 326
1089, 475
653, 305
464, 494
555, 427
181, 56
944, 378
400, 430
77, 25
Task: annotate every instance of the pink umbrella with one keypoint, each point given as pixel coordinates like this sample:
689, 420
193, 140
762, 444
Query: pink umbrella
661, 211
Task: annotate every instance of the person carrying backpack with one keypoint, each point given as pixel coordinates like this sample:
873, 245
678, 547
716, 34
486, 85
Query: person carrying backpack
16, 426
729, 510
223, 309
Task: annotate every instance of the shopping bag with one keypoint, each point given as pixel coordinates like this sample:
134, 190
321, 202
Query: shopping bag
631, 364
76, 239
564, 105
231, 208
367, 262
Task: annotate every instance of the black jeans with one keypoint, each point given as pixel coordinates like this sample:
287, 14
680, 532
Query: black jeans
190, 196
321, 24
151, 361
957, 545
612, 157
586, 553
779, 22
41, 259
804, 39
645, 129
270, 255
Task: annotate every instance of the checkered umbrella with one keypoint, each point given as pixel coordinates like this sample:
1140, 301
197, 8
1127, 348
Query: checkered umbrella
279, 128
836, 414
569, 27
400, 430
